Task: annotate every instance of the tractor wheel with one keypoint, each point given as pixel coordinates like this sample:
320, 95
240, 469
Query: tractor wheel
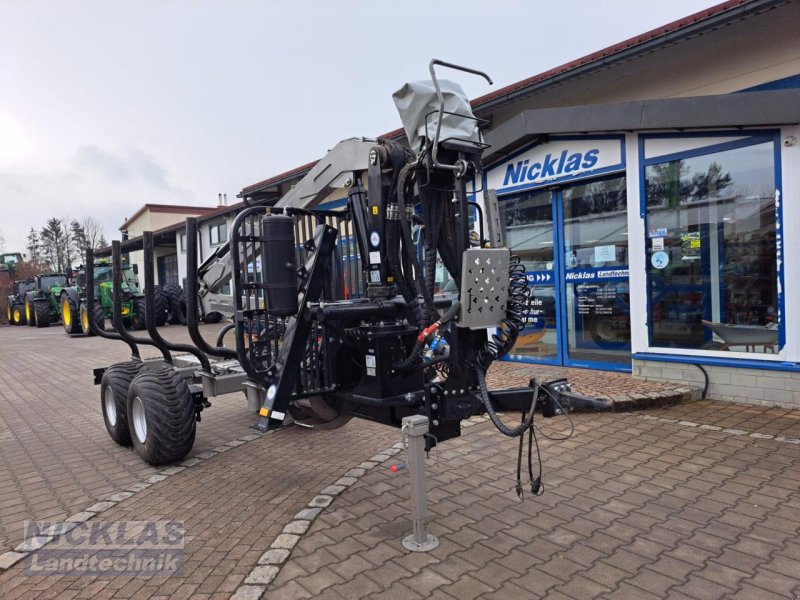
30, 313
69, 315
9, 317
99, 316
85, 325
137, 318
161, 301
114, 399
161, 416
41, 311
18, 314
213, 317
177, 305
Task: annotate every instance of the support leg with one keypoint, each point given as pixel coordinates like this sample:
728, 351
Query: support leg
415, 428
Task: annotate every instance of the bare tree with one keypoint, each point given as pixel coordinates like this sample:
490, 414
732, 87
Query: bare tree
2, 241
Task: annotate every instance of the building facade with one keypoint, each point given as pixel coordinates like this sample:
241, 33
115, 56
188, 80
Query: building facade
164, 220
651, 189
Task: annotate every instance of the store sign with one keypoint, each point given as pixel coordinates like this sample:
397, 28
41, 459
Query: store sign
596, 274
557, 160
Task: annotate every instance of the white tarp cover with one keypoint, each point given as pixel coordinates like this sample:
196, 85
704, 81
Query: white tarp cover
418, 98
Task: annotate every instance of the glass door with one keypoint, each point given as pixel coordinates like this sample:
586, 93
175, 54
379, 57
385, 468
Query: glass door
596, 306
528, 218
573, 242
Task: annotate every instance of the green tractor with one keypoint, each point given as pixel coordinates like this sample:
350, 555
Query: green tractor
15, 303
72, 301
41, 302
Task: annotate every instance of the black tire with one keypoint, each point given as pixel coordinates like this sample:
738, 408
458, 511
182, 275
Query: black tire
41, 310
30, 313
70, 317
99, 316
161, 416
18, 314
177, 304
99, 319
138, 319
161, 302
115, 383
213, 317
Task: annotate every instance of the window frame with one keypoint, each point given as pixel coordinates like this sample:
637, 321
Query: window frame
218, 227
746, 138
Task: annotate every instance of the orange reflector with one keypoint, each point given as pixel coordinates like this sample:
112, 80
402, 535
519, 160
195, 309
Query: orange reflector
264, 412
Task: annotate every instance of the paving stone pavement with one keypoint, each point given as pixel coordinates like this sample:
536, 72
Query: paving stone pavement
698, 504
634, 508
55, 455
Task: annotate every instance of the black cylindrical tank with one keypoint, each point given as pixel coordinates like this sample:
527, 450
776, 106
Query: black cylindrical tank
278, 255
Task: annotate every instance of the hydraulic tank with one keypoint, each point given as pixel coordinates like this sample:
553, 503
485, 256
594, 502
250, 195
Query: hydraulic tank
278, 256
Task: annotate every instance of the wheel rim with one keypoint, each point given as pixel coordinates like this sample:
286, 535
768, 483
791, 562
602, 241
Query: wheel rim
139, 421
17, 316
85, 320
8, 313
111, 407
66, 313
28, 311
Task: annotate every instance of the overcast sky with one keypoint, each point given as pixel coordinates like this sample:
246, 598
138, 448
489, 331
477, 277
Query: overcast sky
105, 106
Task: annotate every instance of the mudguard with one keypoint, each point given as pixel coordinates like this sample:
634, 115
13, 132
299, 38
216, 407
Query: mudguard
72, 294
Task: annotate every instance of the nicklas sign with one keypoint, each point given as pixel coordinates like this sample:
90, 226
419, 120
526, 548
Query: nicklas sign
557, 160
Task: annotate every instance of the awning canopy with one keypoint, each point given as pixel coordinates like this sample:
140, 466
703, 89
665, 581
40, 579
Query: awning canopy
738, 110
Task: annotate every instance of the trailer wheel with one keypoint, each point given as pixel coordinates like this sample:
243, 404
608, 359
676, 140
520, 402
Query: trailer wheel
161, 416
69, 315
177, 305
18, 314
114, 399
30, 313
41, 311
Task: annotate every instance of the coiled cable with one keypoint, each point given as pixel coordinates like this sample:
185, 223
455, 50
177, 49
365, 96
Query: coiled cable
517, 311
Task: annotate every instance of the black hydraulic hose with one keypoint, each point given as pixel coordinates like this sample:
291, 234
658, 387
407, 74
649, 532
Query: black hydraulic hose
221, 336
93, 326
502, 427
412, 360
401, 202
193, 296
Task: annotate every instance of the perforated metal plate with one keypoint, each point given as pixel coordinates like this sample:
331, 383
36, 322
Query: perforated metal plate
484, 287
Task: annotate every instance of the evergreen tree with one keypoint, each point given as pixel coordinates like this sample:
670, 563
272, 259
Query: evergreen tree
34, 246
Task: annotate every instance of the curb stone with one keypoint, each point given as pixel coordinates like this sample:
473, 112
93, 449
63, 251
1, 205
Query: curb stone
278, 553
735, 432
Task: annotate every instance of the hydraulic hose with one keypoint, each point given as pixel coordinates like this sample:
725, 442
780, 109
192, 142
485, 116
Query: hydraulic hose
414, 357
502, 427
408, 243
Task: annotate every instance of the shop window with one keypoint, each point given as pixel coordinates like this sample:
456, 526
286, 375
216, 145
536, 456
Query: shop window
217, 234
711, 248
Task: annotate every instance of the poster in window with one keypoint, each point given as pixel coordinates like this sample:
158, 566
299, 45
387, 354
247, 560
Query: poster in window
690, 246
